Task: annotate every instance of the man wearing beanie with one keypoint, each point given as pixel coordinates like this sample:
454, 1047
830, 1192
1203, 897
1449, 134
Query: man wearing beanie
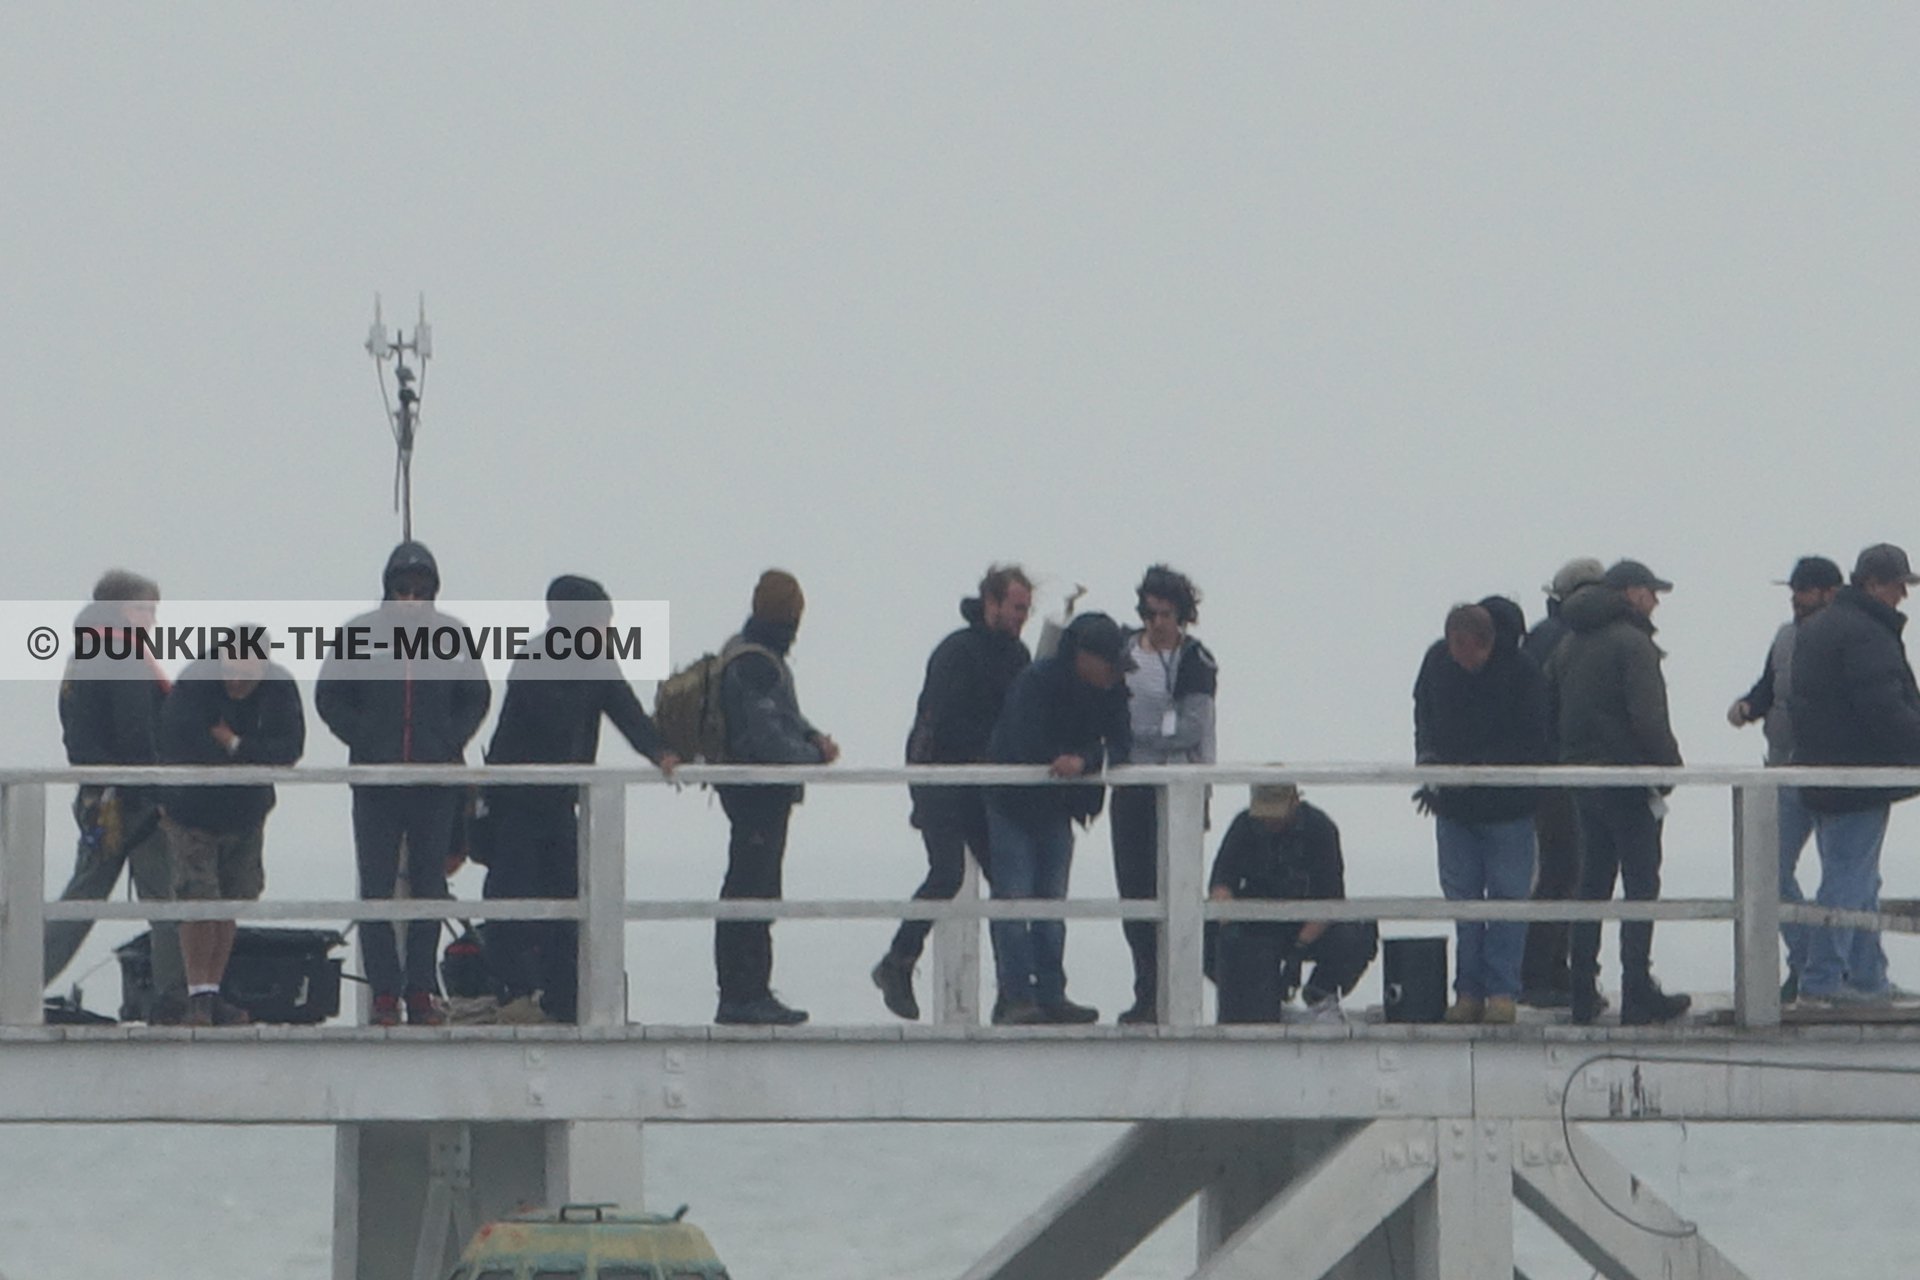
1544, 982
557, 693
764, 726
394, 709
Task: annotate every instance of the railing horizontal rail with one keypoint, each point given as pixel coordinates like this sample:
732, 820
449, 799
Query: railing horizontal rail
979, 775
605, 906
915, 908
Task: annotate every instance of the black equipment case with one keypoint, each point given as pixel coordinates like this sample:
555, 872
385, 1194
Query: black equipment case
277, 975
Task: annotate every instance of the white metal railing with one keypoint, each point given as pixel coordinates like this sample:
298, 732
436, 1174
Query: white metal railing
604, 908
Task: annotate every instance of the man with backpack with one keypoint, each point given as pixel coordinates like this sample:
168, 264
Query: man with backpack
757, 717
966, 685
551, 715
395, 709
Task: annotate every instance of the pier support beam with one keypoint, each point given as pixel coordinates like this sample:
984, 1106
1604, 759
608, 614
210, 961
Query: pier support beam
1343, 1200
408, 1196
1611, 1219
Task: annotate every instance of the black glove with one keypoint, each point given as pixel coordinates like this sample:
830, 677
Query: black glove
1423, 800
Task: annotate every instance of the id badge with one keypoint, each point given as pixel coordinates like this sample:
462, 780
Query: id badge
1169, 723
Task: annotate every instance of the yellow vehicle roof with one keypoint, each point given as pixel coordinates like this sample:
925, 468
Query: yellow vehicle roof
580, 1237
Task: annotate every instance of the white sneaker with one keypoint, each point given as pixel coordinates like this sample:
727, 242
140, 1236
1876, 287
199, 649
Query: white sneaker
1324, 1011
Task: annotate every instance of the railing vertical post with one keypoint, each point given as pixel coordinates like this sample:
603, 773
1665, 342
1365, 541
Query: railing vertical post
23, 892
1182, 809
1756, 893
956, 960
603, 890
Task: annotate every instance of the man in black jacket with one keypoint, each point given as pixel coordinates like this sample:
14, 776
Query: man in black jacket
551, 715
1283, 849
1606, 683
232, 710
1479, 700
110, 714
764, 726
1544, 977
395, 709
1068, 712
966, 685
1854, 703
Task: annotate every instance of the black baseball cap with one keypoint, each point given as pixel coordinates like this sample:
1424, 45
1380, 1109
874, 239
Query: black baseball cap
1811, 573
1884, 562
1099, 635
1631, 573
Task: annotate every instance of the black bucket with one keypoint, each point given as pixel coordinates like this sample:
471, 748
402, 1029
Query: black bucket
1414, 975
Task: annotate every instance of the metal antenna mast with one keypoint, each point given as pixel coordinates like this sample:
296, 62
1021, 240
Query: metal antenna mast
406, 419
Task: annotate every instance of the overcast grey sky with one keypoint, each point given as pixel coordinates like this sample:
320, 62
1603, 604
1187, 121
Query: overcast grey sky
1351, 313
1348, 314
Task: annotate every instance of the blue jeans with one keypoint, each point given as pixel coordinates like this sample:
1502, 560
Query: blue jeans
1490, 862
1031, 858
1849, 846
1796, 824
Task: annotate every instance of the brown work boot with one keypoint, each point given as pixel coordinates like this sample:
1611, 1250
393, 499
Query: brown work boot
211, 1009
1466, 1010
1499, 1011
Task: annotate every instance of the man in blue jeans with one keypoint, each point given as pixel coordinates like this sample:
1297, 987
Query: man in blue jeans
1854, 703
1813, 582
1068, 712
1479, 700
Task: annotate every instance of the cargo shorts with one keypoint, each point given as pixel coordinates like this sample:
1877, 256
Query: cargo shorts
216, 864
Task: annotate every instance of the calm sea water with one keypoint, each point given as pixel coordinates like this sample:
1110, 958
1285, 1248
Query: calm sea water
878, 1202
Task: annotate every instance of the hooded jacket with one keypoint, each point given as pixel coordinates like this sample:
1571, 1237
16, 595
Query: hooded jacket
1195, 680
1496, 715
968, 676
548, 720
1605, 685
110, 719
1853, 699
761, 706
391, 709
272, 729
1051, 712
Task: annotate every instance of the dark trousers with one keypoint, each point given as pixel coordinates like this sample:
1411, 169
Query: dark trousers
535, 853
1255, 968
960, 825
123, 832
1620, 839
1556, 830
743, 949
1134, 821
382, 817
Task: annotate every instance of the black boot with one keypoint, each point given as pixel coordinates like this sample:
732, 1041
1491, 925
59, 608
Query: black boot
894, 977
1585, 1003
1643, 1003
